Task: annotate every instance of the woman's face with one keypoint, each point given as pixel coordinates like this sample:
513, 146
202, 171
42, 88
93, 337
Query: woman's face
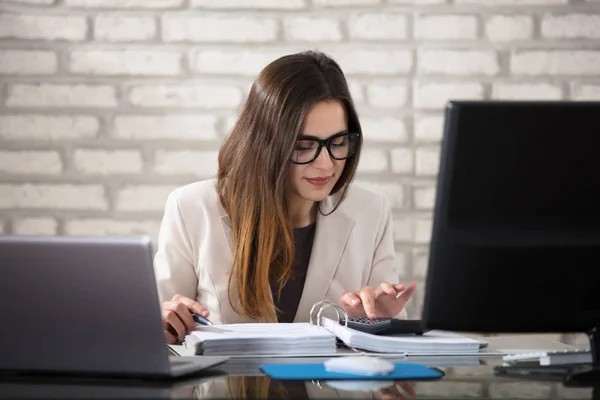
315, 180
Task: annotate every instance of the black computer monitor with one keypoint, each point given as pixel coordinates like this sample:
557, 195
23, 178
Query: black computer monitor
515, 243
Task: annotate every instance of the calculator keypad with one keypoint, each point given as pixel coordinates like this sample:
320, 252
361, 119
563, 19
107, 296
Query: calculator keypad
364, 320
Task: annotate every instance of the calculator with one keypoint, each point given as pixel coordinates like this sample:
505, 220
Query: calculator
385, 326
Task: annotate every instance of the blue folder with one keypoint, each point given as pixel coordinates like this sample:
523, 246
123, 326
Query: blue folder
402, 371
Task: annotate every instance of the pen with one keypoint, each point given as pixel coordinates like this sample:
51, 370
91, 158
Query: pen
200, 319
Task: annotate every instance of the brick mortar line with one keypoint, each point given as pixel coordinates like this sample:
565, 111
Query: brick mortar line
61, 9
76, 214
4, 93
77, 178
58, 10
240, 83
120, 181
363, 79
480, 44
120, 110
366, 111
110, 143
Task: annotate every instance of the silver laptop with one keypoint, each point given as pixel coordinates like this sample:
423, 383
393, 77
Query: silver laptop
84, 305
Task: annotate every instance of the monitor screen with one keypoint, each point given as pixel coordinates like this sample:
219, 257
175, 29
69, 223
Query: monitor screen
515, 244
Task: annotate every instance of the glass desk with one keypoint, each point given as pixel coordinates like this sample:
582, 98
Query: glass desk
465, 378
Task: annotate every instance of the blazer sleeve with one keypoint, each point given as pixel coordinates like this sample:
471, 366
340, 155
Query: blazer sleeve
173, 261
384, 258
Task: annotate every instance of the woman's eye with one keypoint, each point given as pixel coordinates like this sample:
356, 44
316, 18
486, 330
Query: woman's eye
339, 142
304, 145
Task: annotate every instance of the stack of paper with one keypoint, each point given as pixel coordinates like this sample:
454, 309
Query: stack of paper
430, 343
261, 338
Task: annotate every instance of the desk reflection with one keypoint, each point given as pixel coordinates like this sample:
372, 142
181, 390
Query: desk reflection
262, 387
471, 382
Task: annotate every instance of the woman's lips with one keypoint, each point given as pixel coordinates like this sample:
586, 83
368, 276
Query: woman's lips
319, 182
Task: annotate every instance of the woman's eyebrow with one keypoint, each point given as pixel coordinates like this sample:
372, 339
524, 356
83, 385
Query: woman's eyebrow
304, 136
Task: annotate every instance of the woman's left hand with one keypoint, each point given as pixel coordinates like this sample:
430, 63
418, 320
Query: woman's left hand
382, 302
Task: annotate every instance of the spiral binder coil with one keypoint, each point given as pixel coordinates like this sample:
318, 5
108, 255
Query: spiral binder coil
321, 306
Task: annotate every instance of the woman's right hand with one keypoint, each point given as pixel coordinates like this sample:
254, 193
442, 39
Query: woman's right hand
177, 317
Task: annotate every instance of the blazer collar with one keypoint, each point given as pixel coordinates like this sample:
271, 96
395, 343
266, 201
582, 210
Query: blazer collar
331, 235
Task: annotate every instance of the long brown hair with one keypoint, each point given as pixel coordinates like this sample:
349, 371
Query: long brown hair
253, 170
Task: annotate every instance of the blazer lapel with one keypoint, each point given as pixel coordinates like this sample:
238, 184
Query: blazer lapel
331, 234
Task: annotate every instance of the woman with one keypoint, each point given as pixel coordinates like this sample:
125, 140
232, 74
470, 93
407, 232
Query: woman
280, 228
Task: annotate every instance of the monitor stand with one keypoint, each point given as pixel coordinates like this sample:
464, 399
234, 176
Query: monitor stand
580, 375
588, 374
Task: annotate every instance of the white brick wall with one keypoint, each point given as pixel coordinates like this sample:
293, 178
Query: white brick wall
100, 226
38, 162
232, 61
217, 28
36, 226
257, 4
125, 4
44, 2
202, 164
403, 229
513, 2
504, 28
526, 91
143, 197
108, 105
571, 26
558, 62
46, 27
429, 128
422, 231
420, 259
149, 127
45, 127
105, 162
435, 95
119, 62
374, 61
28, 62
202, 95
446, 27
53, 196
402, 161
427, 161
341, 3
312, 29
378, 26
387, 94
373, 160
51, 95
118, 28
393, 192
586, 91
384, 129
458, 62
424, 197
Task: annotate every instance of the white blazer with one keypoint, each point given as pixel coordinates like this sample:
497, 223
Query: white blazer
353, 247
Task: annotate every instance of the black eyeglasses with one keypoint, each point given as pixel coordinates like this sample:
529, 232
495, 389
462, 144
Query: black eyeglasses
339, 146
